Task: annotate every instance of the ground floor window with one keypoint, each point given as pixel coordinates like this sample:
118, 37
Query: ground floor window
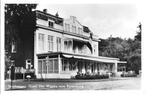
44, 67
65, 65
51, 65
40, 66
48, 66
69, 65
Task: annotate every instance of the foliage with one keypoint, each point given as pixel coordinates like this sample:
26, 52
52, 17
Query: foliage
17, 26
96, 76
125, 49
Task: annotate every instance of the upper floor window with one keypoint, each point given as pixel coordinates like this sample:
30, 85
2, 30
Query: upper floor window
50, 24
94, 50
74, 29
79, 30
58, 44
67, 27
67, 45
41, 41
50, 43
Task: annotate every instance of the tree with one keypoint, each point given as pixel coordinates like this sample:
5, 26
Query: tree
111, 47
19, 23
125, 49
138, 36
134, 60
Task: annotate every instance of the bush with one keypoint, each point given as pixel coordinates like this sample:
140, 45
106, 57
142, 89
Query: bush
128, 75
85, 76
20, 75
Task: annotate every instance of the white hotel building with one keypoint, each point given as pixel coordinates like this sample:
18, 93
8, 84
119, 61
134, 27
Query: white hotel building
63, 47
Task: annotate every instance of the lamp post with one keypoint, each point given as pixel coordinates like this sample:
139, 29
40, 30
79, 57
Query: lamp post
12, 74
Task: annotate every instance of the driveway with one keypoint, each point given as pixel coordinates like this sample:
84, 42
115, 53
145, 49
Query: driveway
69, 84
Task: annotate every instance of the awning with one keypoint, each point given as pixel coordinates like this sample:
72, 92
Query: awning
67, 56
85, 57
97, 59
122, 62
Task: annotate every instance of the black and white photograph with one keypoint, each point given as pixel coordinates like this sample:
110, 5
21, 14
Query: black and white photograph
72, 47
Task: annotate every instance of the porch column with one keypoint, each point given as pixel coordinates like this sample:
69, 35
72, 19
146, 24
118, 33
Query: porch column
95, 69
90, 69
59, 64
115, 68
47, 63
67, 66
83, 67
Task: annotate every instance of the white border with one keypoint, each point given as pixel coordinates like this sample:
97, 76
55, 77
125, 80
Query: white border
141, 5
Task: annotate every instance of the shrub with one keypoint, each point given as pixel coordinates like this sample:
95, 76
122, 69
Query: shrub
85, 76
128, 75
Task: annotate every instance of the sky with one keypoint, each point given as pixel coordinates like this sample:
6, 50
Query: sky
104, 20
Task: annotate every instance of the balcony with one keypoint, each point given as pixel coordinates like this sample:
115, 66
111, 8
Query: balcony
75, 46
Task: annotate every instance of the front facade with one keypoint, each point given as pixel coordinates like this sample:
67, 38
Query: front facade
64, 47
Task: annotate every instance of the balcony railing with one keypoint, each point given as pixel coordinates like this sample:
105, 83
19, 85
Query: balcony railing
79, 52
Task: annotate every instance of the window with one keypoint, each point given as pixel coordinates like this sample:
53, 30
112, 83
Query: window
41, 41
65, 65
65, 45
79, 30
58, 44
44, 66
68, 45
74, 29
67, 27
50, 43
50, 66
50, 24
39, 66
53, 66
95, 47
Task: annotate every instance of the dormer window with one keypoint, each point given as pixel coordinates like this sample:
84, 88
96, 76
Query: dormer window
74, 29
79, 30
67, 27
73, 18
50, 24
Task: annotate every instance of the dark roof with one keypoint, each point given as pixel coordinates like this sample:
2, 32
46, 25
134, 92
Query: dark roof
46, 16
86, 29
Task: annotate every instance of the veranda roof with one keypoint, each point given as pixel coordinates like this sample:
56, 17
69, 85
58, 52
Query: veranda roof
83, 57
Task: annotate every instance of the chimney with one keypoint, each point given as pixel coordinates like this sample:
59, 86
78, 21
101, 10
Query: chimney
57, 15
45, 10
